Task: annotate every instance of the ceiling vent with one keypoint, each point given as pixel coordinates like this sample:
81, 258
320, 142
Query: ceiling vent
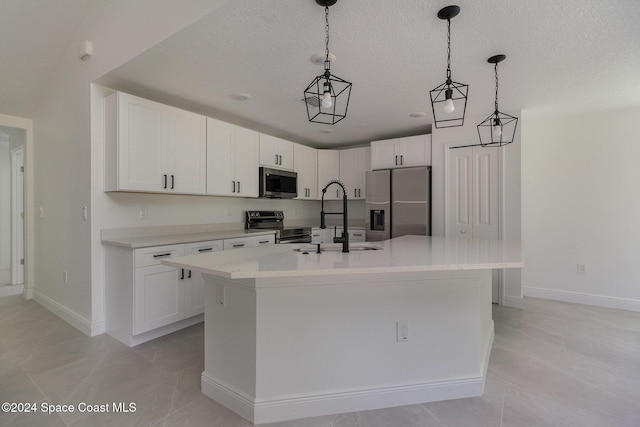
313, 101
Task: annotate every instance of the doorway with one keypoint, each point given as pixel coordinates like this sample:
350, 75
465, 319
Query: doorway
12, 210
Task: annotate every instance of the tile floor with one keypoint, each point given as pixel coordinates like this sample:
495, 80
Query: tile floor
552, 364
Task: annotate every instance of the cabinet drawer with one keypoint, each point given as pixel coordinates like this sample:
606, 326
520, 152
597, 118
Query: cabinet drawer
237, 243
202, 247
152, 256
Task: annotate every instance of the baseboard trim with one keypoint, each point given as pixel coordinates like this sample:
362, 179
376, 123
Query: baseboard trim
582, 298
311, 405
8, 290
79, 322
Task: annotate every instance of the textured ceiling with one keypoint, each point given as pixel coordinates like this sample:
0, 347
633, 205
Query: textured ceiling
563, 56
33, 36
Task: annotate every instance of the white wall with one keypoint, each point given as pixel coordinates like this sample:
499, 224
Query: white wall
580, 204
510, 184
64, 149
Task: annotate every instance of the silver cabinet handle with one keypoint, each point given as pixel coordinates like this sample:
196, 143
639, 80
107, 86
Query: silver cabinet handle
238, 186
182, 274
396, 160
276, 159
401, 160
238, 245
205, 250
233, 186
264, 241
165, 182
173, 182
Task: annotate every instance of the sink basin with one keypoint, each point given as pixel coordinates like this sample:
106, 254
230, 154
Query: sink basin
337, 247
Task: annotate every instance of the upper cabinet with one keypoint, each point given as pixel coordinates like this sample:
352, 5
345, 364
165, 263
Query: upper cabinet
401, 152
305, 161
152, 147
329, 170
354, 163
276, 152
232, 160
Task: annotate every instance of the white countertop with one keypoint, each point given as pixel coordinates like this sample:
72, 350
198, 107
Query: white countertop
403, 254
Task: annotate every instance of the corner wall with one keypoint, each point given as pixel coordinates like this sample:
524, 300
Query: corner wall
580, 204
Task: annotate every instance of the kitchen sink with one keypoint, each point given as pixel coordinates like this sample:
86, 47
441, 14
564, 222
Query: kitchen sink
337, 247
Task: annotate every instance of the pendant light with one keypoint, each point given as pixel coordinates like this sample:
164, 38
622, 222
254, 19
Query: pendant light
449, 100
327, 96
499, 128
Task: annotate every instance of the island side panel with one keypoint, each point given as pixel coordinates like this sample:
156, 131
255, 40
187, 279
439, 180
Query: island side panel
328, 345
230, 344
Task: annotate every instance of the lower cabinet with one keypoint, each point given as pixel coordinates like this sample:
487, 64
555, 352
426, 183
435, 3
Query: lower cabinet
146, 299
319, 235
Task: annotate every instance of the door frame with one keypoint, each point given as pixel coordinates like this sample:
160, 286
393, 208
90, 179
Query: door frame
27, 125
17, 216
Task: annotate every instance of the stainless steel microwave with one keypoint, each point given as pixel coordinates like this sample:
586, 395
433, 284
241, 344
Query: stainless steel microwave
278, 184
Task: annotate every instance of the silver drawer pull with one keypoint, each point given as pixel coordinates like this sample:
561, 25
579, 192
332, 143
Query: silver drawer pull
205, 250
264, 241
162, 255
238, 245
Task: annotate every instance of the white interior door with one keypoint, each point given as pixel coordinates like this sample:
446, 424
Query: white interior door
473, 196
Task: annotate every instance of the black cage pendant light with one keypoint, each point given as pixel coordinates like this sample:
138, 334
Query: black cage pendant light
327, 96
449, 100
499, 128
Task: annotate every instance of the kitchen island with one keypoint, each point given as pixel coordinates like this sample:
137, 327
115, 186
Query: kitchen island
293, 333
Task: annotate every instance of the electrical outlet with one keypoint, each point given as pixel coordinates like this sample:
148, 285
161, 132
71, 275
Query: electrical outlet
220, 294
65, 277
41, 212
582, 268
402, 330
143, 213
85, 213
229, 211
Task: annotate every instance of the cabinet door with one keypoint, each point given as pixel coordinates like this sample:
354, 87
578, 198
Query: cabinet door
187, 133
193, 281
414, 151
329, 170
245, 159
383, 155
142, 153
158, 298
354, 162
276, 152
305, 160
317, 235
220, 153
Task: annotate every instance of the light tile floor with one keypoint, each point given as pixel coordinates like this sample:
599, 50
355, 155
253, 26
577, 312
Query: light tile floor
552, 364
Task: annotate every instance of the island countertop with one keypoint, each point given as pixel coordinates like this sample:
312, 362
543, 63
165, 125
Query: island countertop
402, 254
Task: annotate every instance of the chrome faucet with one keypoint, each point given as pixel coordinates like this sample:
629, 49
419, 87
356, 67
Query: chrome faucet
345, 232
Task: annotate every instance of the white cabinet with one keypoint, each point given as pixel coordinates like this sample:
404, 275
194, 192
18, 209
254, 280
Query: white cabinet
158, 297
248, 242
232, 160
401, 152
317, 235
193, 281
329, 170
152, 147
305, 161
355, 235
354, 163
276, 152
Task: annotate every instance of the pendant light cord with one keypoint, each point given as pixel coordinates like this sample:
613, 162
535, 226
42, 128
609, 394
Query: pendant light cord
327, 63
496, 71
448, 51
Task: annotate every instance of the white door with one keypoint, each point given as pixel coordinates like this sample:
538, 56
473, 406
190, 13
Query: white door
472, 196
220, 170
246, 147
17, 216
329, 170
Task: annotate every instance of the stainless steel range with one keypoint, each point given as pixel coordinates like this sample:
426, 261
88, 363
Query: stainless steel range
274, 220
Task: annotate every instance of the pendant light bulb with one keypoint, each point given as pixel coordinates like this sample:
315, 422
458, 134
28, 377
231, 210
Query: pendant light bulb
327, 100
448, 106
496, 130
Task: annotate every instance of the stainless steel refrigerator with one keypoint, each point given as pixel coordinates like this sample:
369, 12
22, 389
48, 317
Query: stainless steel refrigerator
398, 202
